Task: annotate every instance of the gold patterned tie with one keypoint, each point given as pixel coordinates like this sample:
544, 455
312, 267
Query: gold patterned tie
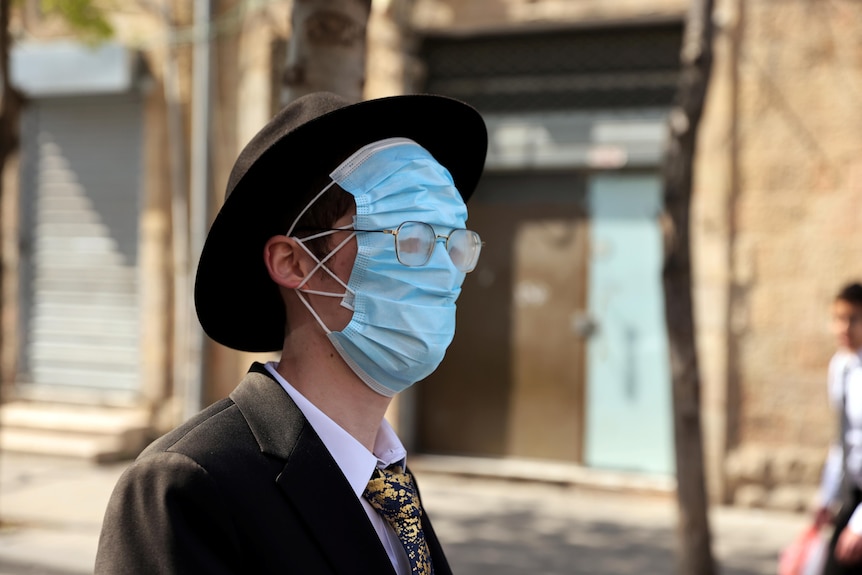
392, 493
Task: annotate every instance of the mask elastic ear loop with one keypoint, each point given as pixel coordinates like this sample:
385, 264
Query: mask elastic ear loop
328, 232
313, 313
300, 292
321, 263
308, 205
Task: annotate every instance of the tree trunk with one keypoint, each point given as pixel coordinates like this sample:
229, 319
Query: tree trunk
327, 48
10, 111
695, 555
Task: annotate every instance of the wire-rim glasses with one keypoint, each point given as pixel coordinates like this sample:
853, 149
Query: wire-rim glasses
415, 243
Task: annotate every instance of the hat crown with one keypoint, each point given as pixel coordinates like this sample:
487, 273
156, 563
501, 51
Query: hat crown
297, 113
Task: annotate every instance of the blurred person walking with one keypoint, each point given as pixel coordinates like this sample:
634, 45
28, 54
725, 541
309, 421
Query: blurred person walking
841, 485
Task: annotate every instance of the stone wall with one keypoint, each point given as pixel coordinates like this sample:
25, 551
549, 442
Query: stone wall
783, 478
796, 229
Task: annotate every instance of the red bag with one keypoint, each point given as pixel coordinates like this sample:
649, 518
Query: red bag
805, 556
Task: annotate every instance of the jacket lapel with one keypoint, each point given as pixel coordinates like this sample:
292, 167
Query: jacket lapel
320, 492
310, 479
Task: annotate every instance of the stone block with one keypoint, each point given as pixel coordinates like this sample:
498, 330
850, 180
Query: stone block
812, 466
794, 498
748, 465
750, 496
785, 467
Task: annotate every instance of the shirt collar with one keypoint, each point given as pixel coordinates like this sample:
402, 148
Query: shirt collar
848, 359
355, 461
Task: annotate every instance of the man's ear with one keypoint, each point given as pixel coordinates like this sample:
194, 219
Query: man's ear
286, 262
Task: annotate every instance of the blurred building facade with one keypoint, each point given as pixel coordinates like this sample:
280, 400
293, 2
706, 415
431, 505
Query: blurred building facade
560, 353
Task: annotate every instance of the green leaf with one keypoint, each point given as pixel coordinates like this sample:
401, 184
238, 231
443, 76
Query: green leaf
83, 16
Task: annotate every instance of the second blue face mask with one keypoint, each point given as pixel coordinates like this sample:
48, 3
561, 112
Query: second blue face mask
403, 317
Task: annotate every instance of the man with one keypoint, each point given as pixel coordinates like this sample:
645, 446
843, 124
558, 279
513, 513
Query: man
842, 476
341, 243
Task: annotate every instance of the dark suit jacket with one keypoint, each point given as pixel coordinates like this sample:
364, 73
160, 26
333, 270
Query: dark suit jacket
246, 486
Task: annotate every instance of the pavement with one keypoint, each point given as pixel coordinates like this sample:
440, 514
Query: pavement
51, 513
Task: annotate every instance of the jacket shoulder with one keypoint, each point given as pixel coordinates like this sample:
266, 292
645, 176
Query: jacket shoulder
204, 431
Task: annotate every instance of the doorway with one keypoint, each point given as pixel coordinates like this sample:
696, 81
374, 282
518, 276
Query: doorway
512, 381
628, 375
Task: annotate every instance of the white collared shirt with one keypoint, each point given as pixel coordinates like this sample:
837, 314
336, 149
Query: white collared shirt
845, 377
356, 462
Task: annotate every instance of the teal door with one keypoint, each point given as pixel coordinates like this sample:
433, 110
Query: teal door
628, 419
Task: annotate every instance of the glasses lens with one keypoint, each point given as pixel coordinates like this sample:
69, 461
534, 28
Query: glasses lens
414, 243
464, 247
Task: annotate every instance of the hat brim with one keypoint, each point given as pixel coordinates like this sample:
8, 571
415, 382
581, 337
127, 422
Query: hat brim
237, 303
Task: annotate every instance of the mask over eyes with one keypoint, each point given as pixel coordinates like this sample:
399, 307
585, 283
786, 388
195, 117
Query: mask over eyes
403, 317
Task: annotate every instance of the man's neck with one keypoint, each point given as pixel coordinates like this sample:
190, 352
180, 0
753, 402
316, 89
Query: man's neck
321, 376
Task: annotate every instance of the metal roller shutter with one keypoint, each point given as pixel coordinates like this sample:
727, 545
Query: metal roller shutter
578, 69
81, 181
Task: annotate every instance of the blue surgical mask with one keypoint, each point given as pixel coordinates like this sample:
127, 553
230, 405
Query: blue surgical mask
403, 317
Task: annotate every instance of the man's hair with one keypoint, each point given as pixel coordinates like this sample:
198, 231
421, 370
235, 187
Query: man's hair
323, 214
851, 293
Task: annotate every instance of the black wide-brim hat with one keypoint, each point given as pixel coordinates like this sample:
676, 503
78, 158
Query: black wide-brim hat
276, 175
